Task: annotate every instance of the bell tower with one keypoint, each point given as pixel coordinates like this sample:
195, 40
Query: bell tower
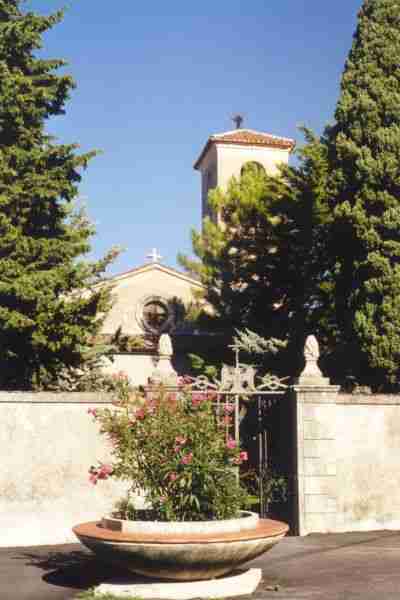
225, 155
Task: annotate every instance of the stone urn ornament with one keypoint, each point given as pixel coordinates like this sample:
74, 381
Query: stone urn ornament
311, 374
164, 373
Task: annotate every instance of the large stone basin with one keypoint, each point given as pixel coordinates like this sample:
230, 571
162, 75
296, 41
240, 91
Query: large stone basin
163, 551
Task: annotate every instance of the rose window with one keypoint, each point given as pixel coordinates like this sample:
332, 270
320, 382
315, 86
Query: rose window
155, 314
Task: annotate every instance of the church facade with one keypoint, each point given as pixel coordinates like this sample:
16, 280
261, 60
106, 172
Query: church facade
150, 299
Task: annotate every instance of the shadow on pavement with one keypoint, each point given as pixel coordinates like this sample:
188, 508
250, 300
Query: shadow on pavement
74, 569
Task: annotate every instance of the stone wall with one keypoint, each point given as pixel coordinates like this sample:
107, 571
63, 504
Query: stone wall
137, 366
348, 455
347, 463
368, 461
140, 366
48, 441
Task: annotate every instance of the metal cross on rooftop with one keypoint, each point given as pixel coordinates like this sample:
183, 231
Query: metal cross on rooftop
154, 256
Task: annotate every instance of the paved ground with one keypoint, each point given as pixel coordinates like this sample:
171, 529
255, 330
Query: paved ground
317, 567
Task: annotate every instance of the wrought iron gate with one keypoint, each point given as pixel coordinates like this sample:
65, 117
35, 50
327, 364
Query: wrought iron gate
259, 404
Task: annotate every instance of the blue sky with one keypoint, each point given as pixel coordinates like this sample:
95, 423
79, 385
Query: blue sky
155, 79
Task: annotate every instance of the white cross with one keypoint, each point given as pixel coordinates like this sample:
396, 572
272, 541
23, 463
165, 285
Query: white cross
154, 256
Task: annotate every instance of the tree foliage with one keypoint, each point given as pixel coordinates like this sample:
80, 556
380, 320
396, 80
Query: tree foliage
364, 188
317, 250
48, 307
263, 260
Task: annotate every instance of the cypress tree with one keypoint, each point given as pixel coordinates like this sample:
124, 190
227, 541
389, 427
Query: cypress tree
48, 307
364, 156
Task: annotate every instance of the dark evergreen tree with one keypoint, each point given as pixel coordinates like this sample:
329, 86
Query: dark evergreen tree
49, 309
364, 161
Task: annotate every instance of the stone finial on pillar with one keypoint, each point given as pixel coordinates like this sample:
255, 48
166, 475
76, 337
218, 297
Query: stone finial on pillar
311, 374
164, 373
315, 461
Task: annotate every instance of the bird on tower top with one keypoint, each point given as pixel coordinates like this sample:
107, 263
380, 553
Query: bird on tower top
238, 119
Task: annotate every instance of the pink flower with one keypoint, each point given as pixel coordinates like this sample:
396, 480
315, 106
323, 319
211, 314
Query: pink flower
229, 408
106, 469
173, 476
93, 412
180, 441
93, 475
187, 458
140, 413
104, 472
239, 459
163, 499
231, 443
197, 398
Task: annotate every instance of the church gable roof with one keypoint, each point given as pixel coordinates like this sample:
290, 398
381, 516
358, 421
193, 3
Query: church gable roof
246, 137
156, 267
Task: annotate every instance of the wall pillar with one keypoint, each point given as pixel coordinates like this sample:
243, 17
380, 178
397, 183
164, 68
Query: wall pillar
315, 465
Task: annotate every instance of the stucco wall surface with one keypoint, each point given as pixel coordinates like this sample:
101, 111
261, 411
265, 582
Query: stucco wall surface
231, 159
209, 166
138, 367
48, 443
316, 459
348, 457
368, 466
224, 161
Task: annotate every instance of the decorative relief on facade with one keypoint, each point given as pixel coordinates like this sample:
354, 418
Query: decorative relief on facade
155, 315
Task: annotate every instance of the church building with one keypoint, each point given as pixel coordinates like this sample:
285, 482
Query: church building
225, 155
150, 299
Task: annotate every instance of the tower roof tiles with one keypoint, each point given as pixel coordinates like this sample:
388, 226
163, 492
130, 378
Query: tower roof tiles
246, 137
